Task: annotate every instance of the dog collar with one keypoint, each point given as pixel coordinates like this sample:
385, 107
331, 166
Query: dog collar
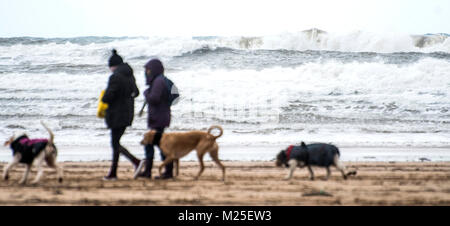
288, 152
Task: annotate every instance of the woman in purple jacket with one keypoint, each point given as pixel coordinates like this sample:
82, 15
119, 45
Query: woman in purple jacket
157, 98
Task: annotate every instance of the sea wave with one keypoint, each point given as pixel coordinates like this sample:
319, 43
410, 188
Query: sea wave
96, 49
87, 55
268, 89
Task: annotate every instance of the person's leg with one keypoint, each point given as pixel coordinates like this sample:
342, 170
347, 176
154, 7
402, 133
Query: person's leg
116, 134
130, 156
127, 154
169, 167
149, 153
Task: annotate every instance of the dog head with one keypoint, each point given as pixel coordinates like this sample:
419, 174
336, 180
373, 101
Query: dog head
50, 148
281, 159
148, 137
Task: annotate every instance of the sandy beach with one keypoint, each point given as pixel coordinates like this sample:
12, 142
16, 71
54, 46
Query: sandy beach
248, 183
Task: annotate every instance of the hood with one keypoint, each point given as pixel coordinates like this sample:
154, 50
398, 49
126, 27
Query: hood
124, 69
156, 68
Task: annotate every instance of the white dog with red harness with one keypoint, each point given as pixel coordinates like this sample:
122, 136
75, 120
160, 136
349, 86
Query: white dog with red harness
27, 151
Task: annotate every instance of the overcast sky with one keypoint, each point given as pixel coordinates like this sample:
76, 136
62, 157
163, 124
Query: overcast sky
69, 18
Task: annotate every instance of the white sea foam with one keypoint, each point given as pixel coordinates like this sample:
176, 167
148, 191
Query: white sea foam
410, 86
371, 104
357, 42
167, 47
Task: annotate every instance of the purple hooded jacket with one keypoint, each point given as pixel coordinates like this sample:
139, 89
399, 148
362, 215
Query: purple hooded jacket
157, 97
158, 104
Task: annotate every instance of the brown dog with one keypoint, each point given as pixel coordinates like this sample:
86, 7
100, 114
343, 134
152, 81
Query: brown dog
178, 144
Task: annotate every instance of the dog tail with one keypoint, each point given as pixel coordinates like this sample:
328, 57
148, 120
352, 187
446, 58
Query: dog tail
215, 127
52, 136
337, 151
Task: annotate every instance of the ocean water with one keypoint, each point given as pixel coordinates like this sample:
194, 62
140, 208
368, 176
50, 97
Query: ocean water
354, 90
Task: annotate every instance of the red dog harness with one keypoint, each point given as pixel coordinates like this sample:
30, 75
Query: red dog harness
288, 152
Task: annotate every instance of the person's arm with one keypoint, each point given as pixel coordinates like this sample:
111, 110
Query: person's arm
135, 89
156, 92
141, 112
111, 90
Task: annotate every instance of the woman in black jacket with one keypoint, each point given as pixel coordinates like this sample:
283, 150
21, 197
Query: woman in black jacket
119, 96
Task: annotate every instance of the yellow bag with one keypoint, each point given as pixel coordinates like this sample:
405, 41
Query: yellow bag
101, 109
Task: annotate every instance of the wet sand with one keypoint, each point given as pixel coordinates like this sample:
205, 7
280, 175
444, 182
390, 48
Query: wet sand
248, 183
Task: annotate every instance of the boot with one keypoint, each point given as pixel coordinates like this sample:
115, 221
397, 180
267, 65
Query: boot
169, 170
168, 173
147, 173
113, 171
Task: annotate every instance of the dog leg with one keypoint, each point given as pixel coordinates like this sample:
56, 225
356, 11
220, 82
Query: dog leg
25, 174
177, 161
8, 167
51, 162
292, 166
59, 172
59, 169
215, 156
311, 173
166, 161
328, 173
340, 166
202, 166
40, 169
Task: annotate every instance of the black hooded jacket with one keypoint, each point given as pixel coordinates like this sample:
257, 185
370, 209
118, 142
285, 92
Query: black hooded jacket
119, 96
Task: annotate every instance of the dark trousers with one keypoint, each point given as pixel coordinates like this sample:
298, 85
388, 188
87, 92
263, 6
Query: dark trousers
116, 134
150, 152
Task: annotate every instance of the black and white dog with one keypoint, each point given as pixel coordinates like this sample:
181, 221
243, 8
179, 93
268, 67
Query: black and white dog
318, 154
27, 151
